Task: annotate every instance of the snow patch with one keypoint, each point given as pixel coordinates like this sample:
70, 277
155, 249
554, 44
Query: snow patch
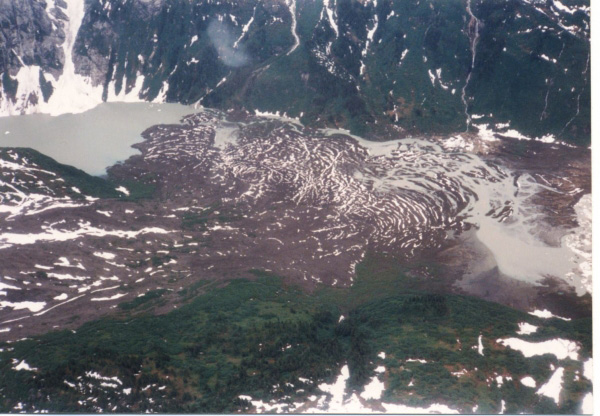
480, 345
98, 376
117, 296
374, 389
104, 255
335, 400
546, 314
125, 96
244, 29
32, 306
561, 348
404, 52
86, 229
23, 366
587, 405
123, 190
162, 94
73, 93
458, 142
431, 77
579, 241
416, 360
526, 329
553, 387
528, 381
5, 286
331, 17
292, 6
588, 369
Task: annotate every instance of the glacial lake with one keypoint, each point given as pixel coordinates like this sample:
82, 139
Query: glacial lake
103, 136
93, 140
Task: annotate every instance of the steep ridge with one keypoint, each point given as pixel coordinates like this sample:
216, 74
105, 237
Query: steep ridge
378, 68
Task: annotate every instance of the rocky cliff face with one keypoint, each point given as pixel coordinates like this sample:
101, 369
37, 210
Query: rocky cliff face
406, 67
31, 38
31, 34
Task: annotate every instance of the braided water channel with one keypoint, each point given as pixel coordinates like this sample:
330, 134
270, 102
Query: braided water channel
303, 203
407, 194
496, 200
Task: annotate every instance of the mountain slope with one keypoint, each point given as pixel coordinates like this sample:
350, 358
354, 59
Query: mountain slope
377, 67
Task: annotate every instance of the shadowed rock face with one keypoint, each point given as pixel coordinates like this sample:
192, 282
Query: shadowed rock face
378, 68
260, 193
31, 34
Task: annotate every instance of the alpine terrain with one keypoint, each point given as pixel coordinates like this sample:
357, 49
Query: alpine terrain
345, 206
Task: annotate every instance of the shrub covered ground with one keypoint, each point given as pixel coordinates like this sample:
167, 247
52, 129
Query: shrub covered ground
265, 339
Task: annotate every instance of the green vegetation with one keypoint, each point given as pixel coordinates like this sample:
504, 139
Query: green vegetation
260, 337
508, 82
89, 185
145, 300
137, 190
226, 342
514, 76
